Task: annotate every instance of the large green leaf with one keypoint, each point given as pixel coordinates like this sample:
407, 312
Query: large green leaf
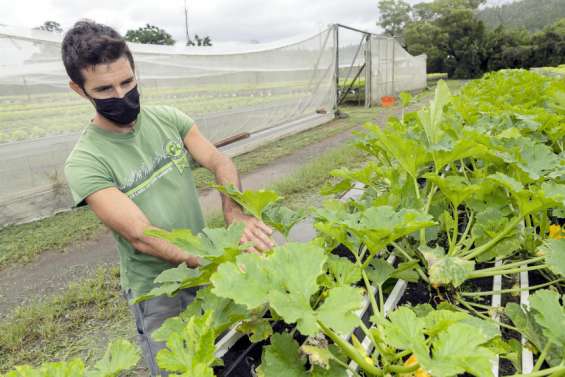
488, 224
254, 202
459, 349
379, 226
463, 148
456, 188
72, 368
286, 280
405, 331
379, 272
537, 160
338, 310
282, 218
450, 270
432, 117
246, 281
411, 156
283, 358
528, 326
224, 314
549, 313
214, 246
258, 329
554, 251
191, 351
209, 244
340, 272
121, 355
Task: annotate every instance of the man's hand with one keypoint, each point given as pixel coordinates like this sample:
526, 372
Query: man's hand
255, 232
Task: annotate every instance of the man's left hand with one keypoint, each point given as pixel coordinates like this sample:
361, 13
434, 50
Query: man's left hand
256, 232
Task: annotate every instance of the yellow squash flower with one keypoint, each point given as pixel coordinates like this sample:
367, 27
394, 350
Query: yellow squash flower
556, 232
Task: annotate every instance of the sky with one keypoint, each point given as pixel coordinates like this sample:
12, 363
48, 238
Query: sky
225, 21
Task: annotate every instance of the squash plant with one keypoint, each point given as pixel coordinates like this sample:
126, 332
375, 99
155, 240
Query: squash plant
469, 180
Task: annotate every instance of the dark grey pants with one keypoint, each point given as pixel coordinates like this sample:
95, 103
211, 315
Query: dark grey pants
150, 315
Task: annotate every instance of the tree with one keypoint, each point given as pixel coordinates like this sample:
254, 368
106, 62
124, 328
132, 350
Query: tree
507, 48
424, 37
394, 15
206, 41
465, 43
150, 34
449, 33
51, 26
533, 15
550, 45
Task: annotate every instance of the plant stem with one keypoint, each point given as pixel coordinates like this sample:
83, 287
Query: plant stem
351, 352
482, 306
542, 356
514, 264
400, 355
382, 351
465, 232
371, 295
470, 308
397, 369
453, 239
410, 259
545, 372
483, 248
510, 290
346, 366
482, 274
426, 210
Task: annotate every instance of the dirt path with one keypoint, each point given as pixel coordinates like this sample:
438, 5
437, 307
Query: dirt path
54, 270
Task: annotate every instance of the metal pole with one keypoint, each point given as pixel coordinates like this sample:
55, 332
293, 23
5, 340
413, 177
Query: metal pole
353, 29
336, 65
368, 72
393, 63
351, 85
186, 23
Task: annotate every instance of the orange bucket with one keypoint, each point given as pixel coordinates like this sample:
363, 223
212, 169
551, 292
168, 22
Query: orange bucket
387, 101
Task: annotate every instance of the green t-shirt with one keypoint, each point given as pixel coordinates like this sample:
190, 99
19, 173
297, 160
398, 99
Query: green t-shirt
151, 166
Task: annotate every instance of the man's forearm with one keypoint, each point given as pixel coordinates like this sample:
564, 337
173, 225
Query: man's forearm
165, 250
226, 173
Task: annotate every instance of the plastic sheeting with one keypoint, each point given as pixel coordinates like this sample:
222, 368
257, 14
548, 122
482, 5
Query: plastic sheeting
393, 69
227, 93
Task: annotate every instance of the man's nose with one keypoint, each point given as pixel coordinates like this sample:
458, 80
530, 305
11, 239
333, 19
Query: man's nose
120, 92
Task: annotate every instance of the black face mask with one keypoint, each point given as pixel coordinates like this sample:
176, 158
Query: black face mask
122, 111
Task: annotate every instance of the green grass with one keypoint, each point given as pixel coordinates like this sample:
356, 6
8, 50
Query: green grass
92, 312
21, 243
63, 326
437, 76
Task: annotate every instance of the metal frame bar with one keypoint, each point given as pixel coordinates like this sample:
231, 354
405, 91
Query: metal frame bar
351, 85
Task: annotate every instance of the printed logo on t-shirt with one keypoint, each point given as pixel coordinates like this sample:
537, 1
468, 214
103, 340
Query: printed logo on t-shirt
175, 151
142, 178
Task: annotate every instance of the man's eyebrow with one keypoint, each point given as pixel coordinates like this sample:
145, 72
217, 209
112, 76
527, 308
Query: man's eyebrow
104, 87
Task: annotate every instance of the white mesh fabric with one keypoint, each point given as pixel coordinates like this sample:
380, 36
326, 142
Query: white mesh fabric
226, 93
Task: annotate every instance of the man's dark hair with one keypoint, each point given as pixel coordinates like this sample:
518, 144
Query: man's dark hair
89, 43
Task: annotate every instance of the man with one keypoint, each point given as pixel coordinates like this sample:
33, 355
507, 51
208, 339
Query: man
131, 167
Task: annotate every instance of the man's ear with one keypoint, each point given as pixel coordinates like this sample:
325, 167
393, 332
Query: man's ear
77, 89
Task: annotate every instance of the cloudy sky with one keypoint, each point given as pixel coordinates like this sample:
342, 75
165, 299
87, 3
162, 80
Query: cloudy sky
223, 20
